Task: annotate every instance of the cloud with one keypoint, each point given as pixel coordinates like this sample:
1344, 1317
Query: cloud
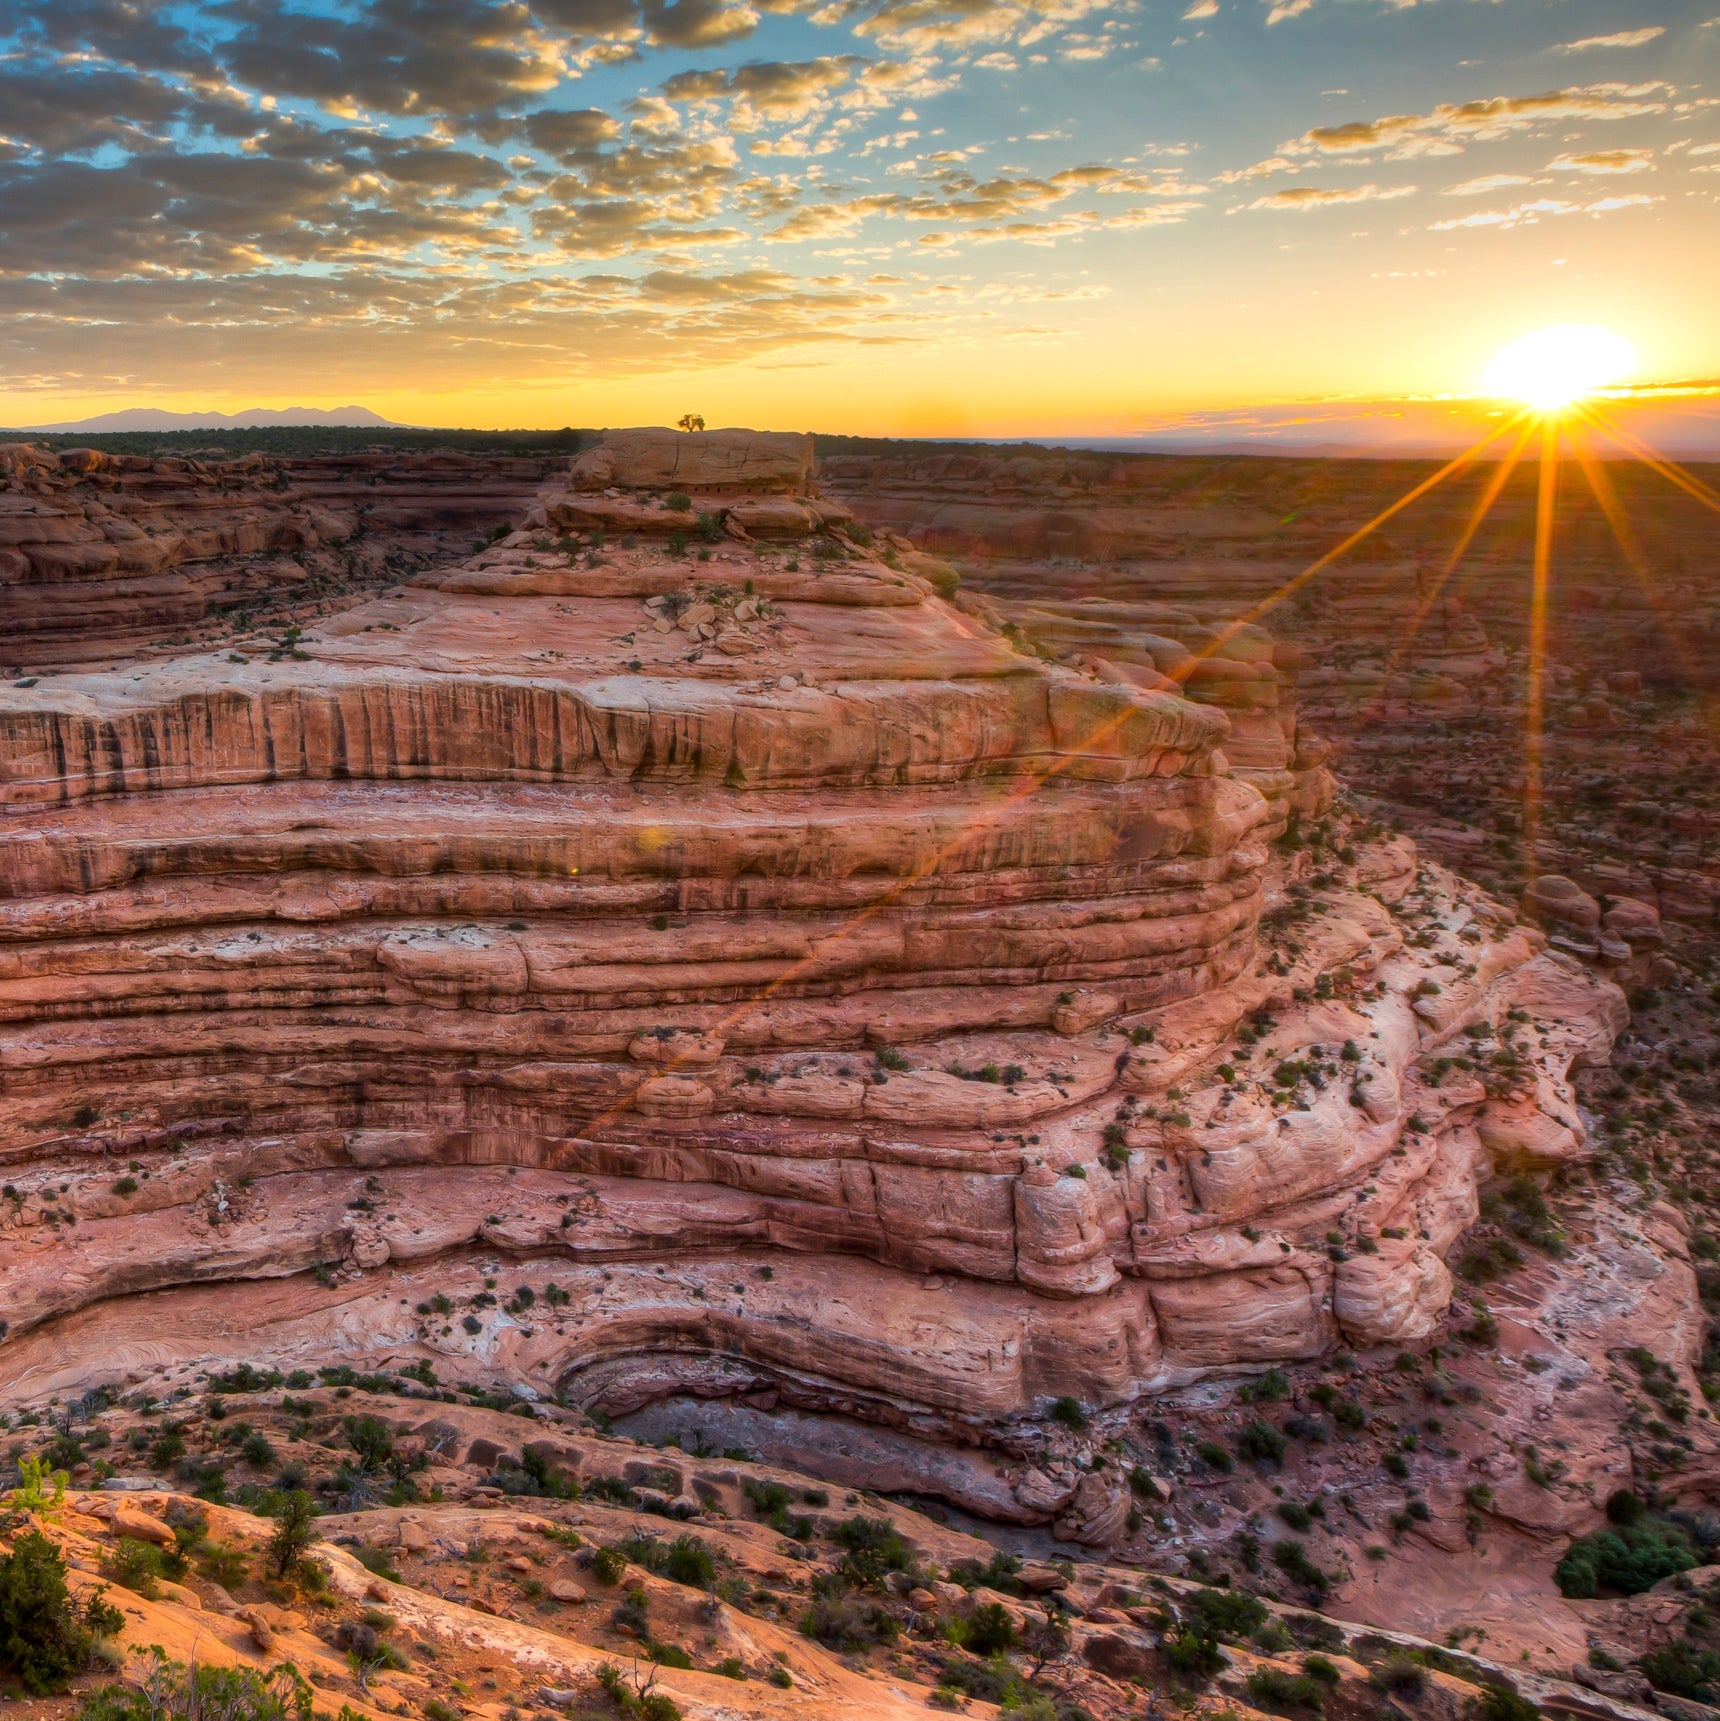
396, 56
1604, 161
256, 330
698, 23
569, 134
767, 91
1487, 184
1621, 39
1324, 197
1529, 214
1201, 9
1452, 126
72, 109
928, 23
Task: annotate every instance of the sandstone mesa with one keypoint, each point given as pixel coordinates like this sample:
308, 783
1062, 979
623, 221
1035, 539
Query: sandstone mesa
647, 919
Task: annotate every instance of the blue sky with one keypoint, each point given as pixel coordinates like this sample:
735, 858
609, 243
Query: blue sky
962, 216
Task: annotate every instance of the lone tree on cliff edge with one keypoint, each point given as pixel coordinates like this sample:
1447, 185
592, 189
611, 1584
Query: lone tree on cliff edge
691, 421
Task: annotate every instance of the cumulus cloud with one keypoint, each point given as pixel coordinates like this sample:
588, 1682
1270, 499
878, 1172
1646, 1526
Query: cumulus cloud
396, 56
922, 24
698, 23
569, 133
1201, 9
767, 91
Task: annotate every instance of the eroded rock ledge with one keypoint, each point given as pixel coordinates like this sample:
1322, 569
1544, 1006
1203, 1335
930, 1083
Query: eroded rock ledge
836, 1003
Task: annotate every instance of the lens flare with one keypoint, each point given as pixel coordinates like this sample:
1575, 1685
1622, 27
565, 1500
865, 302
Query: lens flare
1551, 368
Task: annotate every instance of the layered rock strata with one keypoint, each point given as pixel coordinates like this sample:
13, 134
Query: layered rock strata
102, 554
1237, 667
807, 989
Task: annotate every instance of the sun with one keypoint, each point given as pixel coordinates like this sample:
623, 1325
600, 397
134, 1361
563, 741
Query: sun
1551, 368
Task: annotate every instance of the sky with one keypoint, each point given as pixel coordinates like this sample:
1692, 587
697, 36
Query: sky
903, 217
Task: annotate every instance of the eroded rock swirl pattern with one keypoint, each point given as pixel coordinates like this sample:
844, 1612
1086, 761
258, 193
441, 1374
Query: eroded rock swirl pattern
837, 1003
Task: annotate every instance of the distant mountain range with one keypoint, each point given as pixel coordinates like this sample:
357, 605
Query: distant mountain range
253, 418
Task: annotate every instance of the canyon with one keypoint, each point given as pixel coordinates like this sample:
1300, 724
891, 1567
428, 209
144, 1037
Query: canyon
771, 952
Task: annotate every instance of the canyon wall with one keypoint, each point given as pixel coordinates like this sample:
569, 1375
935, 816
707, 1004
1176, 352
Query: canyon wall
813, 992
104, 555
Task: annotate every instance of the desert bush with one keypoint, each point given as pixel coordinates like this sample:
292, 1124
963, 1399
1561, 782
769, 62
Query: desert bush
170, 1691
1261, 1442
295, 1531
45, 1636
1229, 1613
873, 1548
1626, 1559
1684, 1669
1286, 1690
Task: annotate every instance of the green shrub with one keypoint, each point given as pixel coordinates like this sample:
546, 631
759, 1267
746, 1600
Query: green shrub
1400, 1672
1293, 1561
1498, 1704
1624, 1507
607, 1565
689, 1562
1070, 1413
1229, 1613
1627, 1559
1000, 1572
1262, 1442
45, 1637
634, 1612
874, 1548
224, 1564
377, 1560
841, 1619
1193, 1654
1287, 1690
139, 1566
1211, 1453
772, 1501
170, 1691
1684, 1670
295, 1531
988, 1629
42, 1489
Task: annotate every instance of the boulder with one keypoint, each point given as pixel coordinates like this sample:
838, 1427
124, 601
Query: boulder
1557, 901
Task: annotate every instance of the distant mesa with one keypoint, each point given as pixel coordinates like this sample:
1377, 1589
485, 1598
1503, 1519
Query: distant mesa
252, 418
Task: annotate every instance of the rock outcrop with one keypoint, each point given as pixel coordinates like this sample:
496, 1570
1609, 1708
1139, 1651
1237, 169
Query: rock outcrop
815, 994
709, 485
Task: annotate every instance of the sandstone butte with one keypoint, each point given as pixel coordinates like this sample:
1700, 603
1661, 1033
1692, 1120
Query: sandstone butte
818, 997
